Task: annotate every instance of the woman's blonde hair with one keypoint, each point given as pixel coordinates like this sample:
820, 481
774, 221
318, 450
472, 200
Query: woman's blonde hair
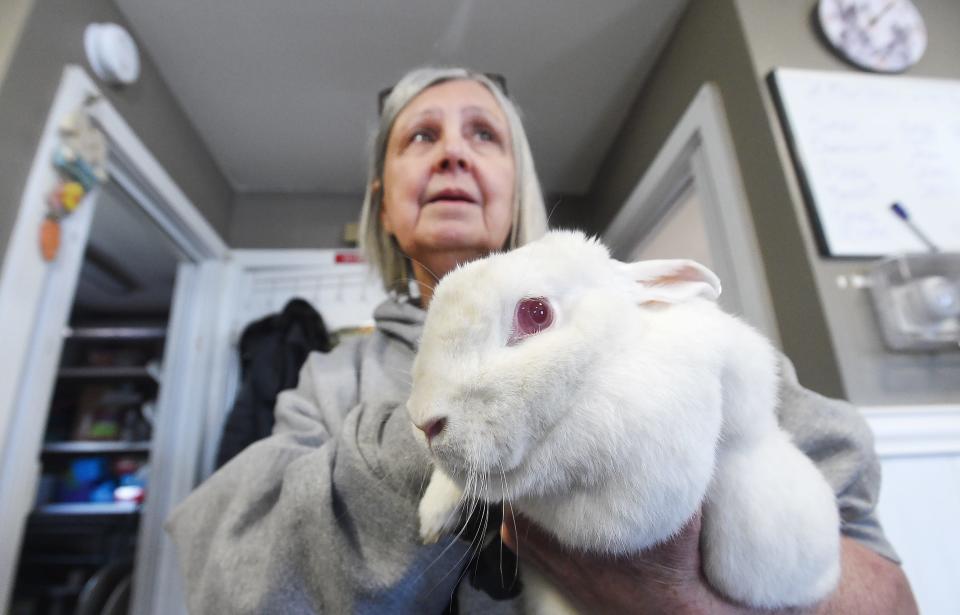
529, 213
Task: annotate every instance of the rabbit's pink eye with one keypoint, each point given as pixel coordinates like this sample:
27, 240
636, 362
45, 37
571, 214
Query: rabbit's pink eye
532, 316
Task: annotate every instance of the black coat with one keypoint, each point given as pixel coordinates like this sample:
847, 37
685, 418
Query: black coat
272, 351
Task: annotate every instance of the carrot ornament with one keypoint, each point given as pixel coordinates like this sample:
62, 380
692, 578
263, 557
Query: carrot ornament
50, 237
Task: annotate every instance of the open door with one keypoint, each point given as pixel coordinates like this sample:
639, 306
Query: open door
35, 303
215, 295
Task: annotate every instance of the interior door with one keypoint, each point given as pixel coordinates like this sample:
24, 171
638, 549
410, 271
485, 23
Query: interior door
215, 300
256, 283
187, 393
20, 467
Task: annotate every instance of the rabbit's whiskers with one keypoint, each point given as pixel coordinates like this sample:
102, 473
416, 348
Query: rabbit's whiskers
459, 507
505, 501
425, 268
478, 538
553, 209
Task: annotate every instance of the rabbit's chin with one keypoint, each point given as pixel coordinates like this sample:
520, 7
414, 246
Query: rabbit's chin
462, 467
491, 477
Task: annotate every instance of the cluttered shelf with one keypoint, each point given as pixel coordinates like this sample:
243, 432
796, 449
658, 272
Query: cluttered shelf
93, 447
84, 522
118, 333
111, 372
95, 455
87, 508
71, 550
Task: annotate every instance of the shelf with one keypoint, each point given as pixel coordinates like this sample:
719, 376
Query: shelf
88, 508
94, 447
115, 333
43, 559
105, 373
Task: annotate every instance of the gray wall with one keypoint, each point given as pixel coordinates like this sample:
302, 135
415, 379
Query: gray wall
274, 220
13, 14
829, 334
779, 34
711, 45
51, 37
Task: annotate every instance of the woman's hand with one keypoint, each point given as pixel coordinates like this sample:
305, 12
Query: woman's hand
668, 578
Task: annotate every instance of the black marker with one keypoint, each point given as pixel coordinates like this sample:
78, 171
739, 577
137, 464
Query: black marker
902, 214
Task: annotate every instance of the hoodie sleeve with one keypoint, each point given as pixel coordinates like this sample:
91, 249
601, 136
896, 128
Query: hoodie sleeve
241, 536
839, 441
321, 517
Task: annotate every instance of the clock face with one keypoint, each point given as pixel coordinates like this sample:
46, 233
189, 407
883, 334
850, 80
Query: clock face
880, 35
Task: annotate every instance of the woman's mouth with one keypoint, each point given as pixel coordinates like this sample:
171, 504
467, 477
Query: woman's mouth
451, 195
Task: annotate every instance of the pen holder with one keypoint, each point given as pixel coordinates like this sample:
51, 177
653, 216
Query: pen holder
917, 301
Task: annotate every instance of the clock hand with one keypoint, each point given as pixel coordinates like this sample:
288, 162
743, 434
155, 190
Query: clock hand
873, 20
898, 41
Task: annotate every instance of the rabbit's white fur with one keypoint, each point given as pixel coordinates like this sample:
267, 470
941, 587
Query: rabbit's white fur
642, 402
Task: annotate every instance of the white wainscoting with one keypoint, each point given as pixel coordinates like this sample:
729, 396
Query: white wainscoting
919, 507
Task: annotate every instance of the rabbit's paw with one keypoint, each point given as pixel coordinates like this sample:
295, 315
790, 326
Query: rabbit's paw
770, 528
439, 507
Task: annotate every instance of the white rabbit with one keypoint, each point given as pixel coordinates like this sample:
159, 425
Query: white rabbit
608, 402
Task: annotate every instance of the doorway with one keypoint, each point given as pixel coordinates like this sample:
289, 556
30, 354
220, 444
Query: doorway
681, 233
691, 204
79, 541
135, 255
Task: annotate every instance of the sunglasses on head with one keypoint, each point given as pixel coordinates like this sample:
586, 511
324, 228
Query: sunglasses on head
499, 80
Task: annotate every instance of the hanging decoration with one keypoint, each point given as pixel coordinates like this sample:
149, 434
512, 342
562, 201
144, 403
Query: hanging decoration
81, 163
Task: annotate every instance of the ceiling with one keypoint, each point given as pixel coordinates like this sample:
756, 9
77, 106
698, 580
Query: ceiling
284, 92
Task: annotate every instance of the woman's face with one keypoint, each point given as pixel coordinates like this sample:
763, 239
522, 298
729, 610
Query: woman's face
448, 178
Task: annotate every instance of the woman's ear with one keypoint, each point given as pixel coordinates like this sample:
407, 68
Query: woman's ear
672, 281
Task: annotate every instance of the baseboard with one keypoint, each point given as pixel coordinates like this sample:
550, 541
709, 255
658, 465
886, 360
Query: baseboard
912, 431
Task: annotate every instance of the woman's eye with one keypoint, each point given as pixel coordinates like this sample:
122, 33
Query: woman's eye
485, 134
532, 315
423, 136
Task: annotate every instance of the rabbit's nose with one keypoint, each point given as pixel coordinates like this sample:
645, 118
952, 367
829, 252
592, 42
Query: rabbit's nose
433, 427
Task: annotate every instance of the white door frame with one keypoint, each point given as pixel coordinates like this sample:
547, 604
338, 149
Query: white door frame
35, 300
700, 151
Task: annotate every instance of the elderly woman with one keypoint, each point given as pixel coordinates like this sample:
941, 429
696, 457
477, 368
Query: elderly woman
322, 516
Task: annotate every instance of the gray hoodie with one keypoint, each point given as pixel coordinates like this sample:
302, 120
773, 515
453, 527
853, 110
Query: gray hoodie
321, 517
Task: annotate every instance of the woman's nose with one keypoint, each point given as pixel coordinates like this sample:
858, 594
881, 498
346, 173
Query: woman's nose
453, 156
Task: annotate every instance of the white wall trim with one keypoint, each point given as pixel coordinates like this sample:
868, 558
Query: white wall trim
700, 150
20, 466
265, 258
181, 418
136, 170
24, 281
912, 431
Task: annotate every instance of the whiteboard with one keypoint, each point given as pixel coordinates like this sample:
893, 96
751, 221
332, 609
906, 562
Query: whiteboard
343, 288
863, 142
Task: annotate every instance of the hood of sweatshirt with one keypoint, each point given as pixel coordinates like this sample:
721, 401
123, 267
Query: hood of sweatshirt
401, 319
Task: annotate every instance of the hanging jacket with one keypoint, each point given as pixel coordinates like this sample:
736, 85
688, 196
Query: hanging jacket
272, 351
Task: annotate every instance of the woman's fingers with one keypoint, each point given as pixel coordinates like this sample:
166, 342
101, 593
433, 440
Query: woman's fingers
676, 560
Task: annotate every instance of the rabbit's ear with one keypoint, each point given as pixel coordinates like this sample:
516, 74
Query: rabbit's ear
672, 281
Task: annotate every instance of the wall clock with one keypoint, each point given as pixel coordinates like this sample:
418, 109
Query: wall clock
886, 36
